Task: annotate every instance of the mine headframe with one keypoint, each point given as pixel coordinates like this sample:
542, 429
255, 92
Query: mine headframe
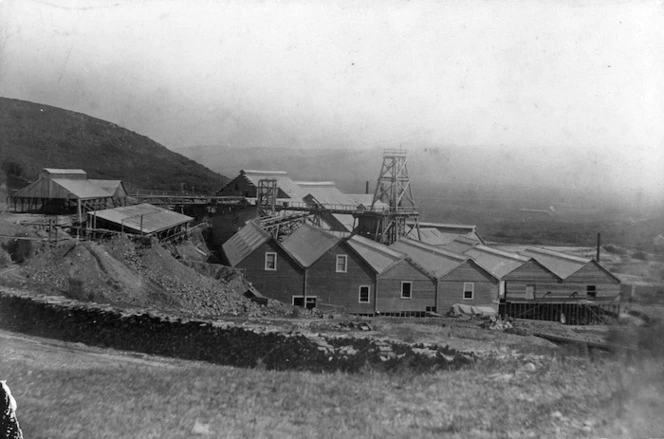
392, 214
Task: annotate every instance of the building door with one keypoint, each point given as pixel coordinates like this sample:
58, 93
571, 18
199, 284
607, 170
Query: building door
530, 292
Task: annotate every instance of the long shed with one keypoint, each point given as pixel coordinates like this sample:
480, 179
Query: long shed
581, 278
459, 278
68, 191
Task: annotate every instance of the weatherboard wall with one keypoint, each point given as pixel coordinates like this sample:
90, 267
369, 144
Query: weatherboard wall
607, 286
547, 287
530, 273
280, 284
389, 284
451, 288
239, 186
341, 290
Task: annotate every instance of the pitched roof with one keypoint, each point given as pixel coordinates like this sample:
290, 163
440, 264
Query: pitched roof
114, 187
562, 264
244, 242
461, 244
308, 243
284, 182
74, 174
435, 260
380, 257
144, 218
497, 262
82, 189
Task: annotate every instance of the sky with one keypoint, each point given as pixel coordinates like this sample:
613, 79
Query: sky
517, 75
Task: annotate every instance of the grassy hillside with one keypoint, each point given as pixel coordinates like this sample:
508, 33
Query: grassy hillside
36, 136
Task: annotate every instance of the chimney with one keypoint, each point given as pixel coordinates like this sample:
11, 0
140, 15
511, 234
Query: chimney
366, 191
598, 243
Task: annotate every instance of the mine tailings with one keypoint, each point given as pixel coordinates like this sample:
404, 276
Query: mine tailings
226, 343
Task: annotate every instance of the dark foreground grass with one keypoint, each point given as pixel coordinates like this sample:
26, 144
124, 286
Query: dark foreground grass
564, 396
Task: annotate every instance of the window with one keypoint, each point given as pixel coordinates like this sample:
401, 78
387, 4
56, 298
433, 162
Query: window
308, 302
342, 263
271, 261
468, 289
406, 290
364, 294
530, 292
591, 291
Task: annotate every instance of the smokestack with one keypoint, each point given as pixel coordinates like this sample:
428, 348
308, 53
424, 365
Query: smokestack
366, 191
598, 242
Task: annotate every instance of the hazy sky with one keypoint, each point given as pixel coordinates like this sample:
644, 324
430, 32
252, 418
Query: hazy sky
510, 74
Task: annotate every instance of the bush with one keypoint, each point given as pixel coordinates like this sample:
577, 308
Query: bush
610, 248
640, 255
20, 250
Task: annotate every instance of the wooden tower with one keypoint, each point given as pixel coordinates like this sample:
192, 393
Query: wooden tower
392, 213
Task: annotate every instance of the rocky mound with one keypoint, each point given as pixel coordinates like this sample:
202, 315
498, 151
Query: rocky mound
141, 273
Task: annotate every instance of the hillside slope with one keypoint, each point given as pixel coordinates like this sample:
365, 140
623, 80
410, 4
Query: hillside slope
36, 136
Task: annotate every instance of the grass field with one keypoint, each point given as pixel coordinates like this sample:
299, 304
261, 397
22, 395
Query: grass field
72, 391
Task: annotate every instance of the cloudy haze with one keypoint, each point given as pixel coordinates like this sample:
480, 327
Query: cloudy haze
538, 75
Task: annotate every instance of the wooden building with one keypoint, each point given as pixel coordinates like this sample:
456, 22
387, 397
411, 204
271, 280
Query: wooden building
68, 191
246, 184
337, 278
581, 278
266, 264
459, 279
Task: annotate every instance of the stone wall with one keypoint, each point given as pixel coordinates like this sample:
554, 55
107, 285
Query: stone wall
219, 342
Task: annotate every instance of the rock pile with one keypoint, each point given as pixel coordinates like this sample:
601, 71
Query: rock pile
496, 323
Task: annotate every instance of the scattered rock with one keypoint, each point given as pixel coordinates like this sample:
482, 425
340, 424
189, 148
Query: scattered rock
201, 429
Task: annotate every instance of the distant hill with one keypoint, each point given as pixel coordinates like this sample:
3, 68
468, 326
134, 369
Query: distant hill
36, 136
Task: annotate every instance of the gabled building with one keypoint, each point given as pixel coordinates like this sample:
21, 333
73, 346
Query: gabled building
68, 191
246, 184
402, 286
336, 277
266, 264
581, 278
460, 280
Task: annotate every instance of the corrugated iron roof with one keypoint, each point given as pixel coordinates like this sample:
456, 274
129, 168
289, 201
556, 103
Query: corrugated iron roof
244, 242
559, 263
435, 260
114, 187
432, 236
308, 243
73, 174
461, 244
152, 218
497, 262
378, 256
82, 189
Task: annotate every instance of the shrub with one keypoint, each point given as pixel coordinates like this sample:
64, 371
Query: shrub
640, 255
20, 250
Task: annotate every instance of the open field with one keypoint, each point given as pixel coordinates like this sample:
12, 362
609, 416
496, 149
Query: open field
73, 391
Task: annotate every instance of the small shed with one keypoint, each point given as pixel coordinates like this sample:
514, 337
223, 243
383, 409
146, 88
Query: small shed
142, 219
267, 265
